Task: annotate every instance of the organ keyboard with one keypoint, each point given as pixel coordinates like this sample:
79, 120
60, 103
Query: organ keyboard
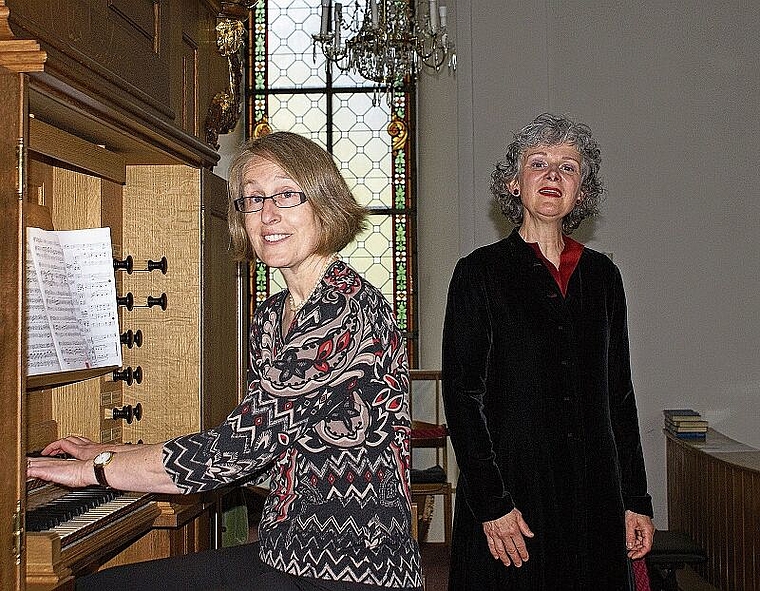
71, 530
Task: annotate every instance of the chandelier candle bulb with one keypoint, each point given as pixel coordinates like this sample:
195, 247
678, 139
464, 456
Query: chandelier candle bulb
325, 17
433, 15
442, 15
375, 13
338, 22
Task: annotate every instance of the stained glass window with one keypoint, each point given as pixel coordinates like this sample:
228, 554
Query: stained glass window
291, 87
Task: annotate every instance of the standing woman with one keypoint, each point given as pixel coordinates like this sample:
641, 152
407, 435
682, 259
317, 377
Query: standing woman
537, 388
326, 415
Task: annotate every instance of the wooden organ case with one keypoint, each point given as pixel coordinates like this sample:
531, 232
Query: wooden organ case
103, 111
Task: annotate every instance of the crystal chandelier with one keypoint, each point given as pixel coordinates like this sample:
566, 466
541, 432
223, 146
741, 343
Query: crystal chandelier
386, 41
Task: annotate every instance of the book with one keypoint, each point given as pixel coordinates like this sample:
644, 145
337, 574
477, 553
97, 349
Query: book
687, 430
687, 424
686, 412
673, 429
682, 414
72, 320
696, 422
695, 436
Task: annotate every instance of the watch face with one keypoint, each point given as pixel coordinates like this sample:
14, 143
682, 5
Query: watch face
103, 457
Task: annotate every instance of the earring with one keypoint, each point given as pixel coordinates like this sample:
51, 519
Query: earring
578, 201
516, 192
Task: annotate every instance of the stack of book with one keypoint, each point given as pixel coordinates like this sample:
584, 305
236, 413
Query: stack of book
685, 423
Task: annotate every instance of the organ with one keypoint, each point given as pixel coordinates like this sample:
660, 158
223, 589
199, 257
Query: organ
104, 123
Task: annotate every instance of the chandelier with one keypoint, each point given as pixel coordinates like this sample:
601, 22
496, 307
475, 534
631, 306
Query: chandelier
386, 41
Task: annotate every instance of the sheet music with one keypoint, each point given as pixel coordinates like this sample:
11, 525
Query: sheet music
72, 319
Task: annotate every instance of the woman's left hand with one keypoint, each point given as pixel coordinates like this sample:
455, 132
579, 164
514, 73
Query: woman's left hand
71, 473
77, 447
639, 534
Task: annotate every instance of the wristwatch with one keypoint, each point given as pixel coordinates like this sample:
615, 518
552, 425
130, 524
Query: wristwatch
99, 463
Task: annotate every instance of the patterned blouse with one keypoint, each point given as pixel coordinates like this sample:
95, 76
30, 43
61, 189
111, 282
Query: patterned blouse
326, 417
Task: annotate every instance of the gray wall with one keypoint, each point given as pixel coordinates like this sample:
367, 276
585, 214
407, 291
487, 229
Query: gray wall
672, 91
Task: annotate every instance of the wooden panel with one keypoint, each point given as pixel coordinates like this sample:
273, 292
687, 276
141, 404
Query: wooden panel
740, 534
713, 495
223, 338
41, 427
69, 149
154, 66
162, 218
141, 16
211, 68
188, 535
11, 376
38, 184
189, 86
114, 44
752, 546
76, 200
76, 204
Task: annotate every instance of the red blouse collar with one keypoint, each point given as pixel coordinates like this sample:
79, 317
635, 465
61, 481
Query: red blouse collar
568, 260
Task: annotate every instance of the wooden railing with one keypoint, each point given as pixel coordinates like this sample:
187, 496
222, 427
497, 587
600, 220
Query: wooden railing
714, 496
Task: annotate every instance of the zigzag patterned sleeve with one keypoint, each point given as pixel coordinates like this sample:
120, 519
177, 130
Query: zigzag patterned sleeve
251, 436
291, 387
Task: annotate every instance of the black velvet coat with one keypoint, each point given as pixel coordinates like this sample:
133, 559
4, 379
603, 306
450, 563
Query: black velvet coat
540, 405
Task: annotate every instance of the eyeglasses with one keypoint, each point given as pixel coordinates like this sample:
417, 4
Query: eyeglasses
282, 200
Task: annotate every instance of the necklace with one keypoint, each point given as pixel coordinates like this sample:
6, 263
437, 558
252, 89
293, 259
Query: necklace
296, 307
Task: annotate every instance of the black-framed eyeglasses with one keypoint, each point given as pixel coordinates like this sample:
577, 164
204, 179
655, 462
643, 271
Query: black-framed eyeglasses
256, 202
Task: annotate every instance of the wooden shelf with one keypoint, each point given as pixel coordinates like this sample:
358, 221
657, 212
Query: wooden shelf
51, 380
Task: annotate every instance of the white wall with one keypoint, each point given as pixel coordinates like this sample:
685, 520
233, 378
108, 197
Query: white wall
228, 146
672, 91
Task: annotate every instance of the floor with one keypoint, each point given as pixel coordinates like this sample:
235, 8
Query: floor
435, 566
689, 580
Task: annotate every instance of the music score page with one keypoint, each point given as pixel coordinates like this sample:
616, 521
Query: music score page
72, 320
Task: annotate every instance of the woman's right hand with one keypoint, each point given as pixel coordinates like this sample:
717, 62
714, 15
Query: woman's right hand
505, 538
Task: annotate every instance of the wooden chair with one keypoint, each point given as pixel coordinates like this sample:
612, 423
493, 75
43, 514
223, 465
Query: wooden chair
430, 481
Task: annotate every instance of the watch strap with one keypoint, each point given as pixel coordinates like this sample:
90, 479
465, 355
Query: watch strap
100, 472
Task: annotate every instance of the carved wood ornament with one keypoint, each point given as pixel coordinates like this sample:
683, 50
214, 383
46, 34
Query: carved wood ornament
226, 106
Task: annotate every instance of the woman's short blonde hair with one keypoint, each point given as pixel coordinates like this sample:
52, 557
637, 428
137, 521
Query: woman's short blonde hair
340, 217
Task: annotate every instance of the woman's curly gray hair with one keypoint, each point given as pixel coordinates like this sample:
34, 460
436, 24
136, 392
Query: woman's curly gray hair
551, 130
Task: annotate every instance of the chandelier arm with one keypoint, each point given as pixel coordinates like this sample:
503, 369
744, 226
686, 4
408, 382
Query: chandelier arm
387, 43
